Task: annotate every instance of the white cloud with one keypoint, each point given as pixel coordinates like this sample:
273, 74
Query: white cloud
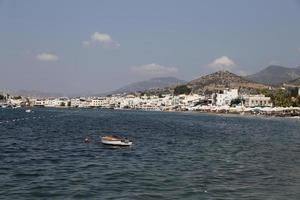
154, 69
47, 57
222, 63
101, 39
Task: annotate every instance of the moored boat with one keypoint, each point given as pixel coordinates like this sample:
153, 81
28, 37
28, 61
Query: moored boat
115, 140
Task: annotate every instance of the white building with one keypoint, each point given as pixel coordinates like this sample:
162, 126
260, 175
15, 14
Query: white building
192, 99
75, 102
98, 102
39, 102
257, 101
224, 99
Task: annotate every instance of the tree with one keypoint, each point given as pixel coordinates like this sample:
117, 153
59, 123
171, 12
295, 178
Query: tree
282, 98
2, 97
182, 89
279, 97
296, 103
17, 97
69, 104
236, 101
265, 92
62, 104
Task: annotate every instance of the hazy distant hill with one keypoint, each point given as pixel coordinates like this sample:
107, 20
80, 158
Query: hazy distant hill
154, 83
34, 93
221, 80
275, 75
295, 82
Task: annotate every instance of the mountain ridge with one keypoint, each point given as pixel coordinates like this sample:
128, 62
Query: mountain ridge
153, 83
275, 75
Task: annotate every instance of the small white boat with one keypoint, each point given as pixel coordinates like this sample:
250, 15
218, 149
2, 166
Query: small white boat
115, 140
28, 110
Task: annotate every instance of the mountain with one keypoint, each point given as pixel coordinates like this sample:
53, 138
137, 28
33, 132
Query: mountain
154, 83
275, 75
221, 80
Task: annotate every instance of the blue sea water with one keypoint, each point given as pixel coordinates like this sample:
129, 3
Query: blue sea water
174, 156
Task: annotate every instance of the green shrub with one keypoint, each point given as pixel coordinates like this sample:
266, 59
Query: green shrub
182, 89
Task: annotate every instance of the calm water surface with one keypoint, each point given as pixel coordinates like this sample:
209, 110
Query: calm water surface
174, 156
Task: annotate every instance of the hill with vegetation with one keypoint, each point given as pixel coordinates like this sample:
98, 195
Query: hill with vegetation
221, 80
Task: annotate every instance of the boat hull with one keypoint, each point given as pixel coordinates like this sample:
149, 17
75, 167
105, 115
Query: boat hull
116, 142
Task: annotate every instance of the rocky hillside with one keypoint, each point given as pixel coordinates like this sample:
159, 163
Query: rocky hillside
275, 75
221, 80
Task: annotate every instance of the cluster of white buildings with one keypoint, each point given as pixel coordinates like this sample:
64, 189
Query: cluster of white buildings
166, 102
225, 98
221, 99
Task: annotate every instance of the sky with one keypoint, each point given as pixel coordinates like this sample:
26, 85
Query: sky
95, 46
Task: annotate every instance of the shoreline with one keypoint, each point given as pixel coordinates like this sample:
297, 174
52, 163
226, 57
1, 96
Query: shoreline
286, 114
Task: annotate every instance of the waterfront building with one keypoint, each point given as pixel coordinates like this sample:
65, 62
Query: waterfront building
84, 103
39, 102
98, 102
192, 99
257, 101
75, 102
224, 98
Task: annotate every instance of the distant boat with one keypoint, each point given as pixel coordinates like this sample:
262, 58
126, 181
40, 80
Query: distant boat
28, 110
115, 140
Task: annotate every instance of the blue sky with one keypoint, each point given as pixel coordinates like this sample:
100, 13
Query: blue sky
74, 46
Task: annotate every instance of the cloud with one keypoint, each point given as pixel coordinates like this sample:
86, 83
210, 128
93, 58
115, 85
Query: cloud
222, 63
154, 69
47, 57
101, 39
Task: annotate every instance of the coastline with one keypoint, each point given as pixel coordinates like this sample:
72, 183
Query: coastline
287, 113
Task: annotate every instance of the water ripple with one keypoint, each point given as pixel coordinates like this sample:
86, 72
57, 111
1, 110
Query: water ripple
174, 156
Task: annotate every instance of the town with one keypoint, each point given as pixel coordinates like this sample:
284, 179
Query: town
225, 101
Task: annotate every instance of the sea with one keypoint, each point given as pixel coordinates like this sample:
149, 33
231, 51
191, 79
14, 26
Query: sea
175, 155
